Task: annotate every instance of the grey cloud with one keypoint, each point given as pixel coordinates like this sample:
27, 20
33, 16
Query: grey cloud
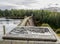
26, 3
20, 2
7, 7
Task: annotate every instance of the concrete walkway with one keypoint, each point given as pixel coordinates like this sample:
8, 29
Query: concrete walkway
28, 21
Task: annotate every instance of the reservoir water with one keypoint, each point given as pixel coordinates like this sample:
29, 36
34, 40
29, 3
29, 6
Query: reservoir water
9, 25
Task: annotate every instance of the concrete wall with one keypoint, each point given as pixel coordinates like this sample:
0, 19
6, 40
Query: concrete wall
25, 42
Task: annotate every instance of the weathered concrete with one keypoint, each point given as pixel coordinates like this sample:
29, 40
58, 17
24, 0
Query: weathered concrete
32, 37
26, 42
13, 42
5, 42
27, 22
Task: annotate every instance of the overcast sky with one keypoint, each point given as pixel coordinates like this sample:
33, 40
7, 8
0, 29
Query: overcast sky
28, 4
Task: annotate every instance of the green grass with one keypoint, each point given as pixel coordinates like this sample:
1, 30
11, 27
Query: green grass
58, 32
58, 35
47, 25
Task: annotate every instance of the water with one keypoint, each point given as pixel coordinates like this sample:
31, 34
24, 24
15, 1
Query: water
9, 25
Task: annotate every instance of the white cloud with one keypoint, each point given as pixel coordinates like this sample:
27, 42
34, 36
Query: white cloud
29, 4
11, 5
7, 4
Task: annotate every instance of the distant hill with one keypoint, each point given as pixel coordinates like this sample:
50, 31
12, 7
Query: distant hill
55, 9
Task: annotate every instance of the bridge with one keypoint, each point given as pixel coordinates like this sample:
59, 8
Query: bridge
27, 33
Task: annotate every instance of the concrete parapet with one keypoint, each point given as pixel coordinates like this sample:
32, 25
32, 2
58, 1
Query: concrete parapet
25, 42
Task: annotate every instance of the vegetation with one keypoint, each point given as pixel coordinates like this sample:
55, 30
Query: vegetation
58, 35
47, 25
40, 16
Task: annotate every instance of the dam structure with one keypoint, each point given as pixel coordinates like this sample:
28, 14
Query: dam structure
27, 33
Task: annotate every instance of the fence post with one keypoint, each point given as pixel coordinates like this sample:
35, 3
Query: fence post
4, 32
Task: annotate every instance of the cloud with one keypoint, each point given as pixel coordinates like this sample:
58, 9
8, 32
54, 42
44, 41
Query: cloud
6, 5
27, 4
24, 4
